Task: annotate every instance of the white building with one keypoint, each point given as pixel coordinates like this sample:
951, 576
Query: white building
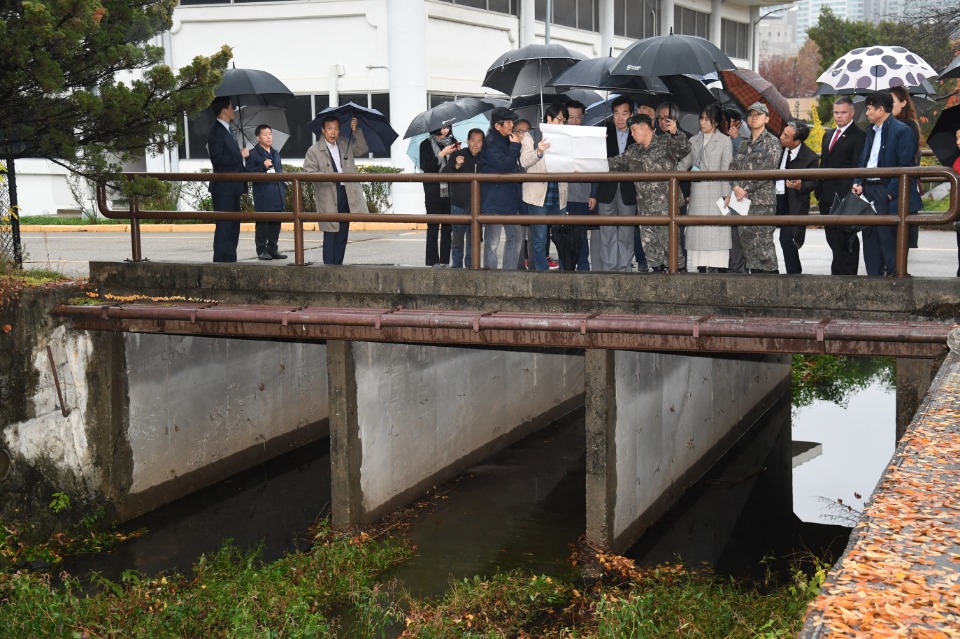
398, 56
808, 13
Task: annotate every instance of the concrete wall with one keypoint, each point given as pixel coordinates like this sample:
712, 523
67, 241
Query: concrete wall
201, 409
656, 422
406, 417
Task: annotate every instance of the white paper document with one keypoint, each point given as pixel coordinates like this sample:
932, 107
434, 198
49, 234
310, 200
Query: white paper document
724, 209
575, 148
741, 207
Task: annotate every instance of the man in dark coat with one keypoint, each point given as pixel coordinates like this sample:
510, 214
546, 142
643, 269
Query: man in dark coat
793, 196
226, 157
841, 149
501, 154
616, 247
267, 196
889, 143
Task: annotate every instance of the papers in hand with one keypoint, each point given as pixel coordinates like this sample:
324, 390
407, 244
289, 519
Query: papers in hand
741, 207
575, 148
724, 209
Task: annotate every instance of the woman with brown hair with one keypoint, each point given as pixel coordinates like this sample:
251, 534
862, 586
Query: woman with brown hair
904, 111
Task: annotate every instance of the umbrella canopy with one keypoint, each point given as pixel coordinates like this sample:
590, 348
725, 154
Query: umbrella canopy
943, 137
250, 82
869, 69
446, 114
671, 55
524, 71
746, 87
952, 70
252, 116
595, 74
689, 94
459, 131
376, 128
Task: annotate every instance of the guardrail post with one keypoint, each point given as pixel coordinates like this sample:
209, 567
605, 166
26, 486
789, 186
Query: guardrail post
903, 234
475, 230
135, 230
673, 251
298, 258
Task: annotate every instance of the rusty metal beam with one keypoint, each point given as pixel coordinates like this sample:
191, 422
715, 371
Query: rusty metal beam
532, 330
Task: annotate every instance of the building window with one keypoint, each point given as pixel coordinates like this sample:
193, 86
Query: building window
579, 14
636, 19
689, 22
300, 110
734, 38
499, 6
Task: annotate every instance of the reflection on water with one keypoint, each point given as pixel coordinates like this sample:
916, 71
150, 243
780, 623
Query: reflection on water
856, 443
524, 507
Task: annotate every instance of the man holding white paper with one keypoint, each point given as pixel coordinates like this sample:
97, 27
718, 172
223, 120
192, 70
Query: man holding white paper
760, 152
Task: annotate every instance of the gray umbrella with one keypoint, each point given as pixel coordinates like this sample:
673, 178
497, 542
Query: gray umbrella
254, 115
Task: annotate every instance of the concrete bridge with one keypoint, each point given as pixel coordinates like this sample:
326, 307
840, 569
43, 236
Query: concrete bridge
416, 373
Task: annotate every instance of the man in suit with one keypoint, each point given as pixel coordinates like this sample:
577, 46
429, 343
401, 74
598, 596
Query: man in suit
333, 154
889, 143
267, 196
226, 157
616, 249
793, 196
841, 149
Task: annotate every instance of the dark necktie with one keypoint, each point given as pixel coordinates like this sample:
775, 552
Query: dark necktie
836, 136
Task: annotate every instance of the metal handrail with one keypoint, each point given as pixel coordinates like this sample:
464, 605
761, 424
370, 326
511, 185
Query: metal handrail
673, 219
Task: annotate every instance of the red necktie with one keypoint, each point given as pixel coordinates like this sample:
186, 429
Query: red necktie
836, 136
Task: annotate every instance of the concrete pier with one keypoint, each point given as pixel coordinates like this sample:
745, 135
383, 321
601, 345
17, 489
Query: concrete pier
405, 417
656, 422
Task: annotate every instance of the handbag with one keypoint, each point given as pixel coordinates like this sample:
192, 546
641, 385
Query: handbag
851, 204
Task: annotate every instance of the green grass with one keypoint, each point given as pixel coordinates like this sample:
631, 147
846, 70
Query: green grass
231, 594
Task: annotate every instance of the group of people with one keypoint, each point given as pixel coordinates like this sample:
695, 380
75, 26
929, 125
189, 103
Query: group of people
638, 140
330, 154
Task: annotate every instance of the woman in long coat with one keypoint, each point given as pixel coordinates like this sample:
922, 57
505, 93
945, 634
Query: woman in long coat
708, 247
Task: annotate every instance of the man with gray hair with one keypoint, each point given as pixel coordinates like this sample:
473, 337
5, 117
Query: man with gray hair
793, 195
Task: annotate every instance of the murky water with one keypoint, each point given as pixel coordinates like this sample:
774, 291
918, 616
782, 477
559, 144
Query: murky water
524, 507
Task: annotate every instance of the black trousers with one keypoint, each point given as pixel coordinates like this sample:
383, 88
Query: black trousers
441, 254
335, 243
265, 236
791, 239
226, 235
844, 245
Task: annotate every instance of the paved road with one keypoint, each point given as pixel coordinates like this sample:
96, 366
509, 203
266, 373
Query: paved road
70, 252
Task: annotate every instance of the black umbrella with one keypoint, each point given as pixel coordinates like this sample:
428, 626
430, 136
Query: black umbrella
244, 82
446, 114
952, 70
671, 55
689, 94
526, 70
943, 137
595, 74
376, 128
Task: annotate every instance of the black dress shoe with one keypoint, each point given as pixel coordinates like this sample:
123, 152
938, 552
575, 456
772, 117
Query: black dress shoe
264, 256
277, 255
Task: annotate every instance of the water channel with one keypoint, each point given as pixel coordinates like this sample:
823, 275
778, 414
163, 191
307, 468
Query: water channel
775, 494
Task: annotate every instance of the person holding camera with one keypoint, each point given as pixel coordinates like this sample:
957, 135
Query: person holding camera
435, 150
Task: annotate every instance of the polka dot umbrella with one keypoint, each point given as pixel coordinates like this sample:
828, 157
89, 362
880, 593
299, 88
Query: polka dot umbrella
876, 68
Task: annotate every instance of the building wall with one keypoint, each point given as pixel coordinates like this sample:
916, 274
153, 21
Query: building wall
302, 41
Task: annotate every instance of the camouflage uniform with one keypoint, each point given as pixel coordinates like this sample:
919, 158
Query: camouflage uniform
653, 198
762, 154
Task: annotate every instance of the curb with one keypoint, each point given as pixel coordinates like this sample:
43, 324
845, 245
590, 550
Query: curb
203, 228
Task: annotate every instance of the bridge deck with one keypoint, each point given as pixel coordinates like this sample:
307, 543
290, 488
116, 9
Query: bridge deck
900, 575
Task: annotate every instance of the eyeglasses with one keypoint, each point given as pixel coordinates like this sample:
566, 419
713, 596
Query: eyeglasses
754, 114
663, 117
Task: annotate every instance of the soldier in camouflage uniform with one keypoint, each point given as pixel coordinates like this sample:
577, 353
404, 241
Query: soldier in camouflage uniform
652, 153
760, 152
